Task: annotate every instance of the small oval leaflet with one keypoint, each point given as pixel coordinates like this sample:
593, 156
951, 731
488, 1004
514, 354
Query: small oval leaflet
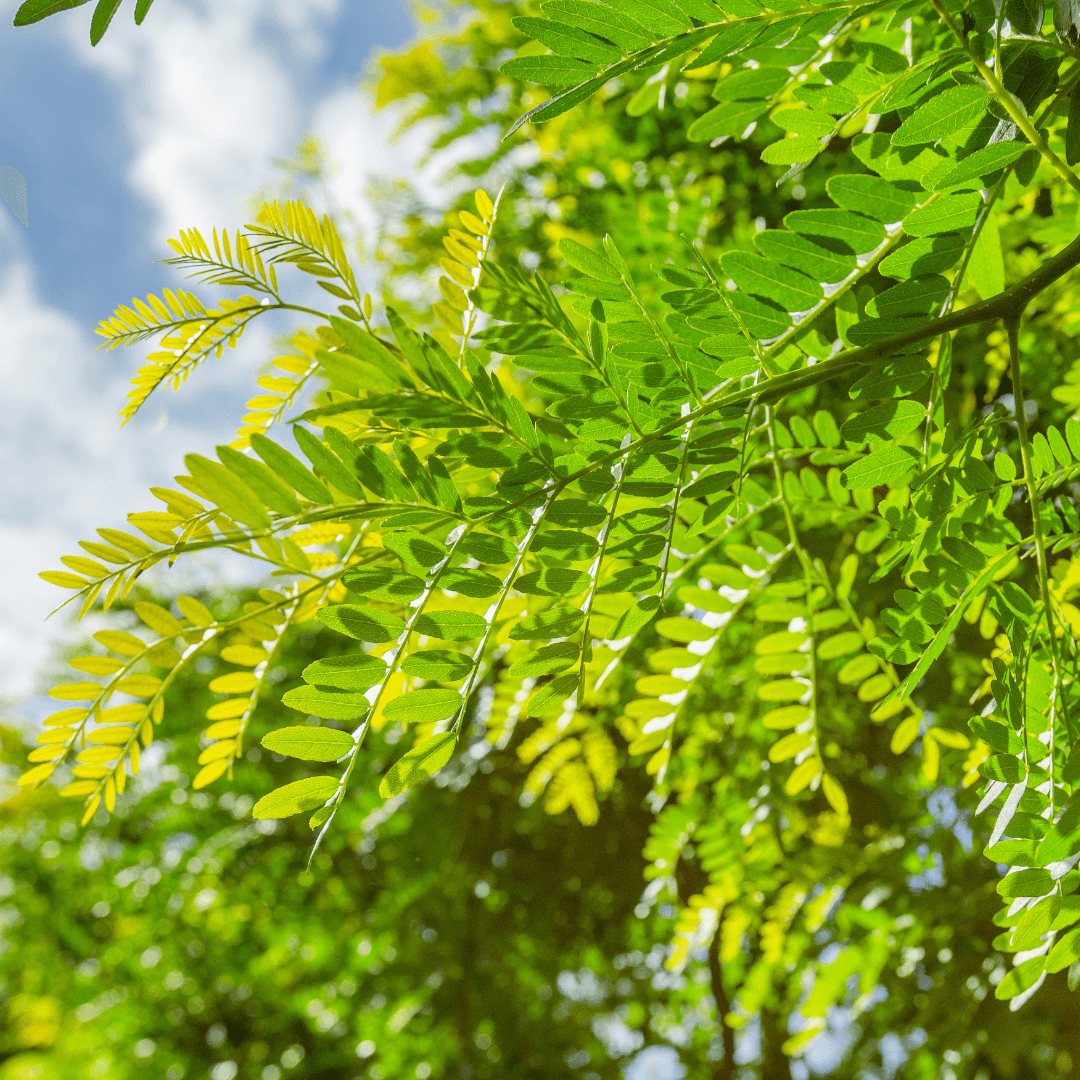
423, 706
414, 549
362, 623
418, 764
438, 664
383, 583
309, 743
295, 798
451, 625
551, 697
553, 623
329, 704
941, 115
879, 468
549, 660
553, 582
889, 420
355, 672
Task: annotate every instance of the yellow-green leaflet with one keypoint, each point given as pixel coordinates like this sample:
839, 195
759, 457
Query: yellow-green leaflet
422, 761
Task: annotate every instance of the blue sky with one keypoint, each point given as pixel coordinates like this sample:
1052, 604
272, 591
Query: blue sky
64, 125
161, 127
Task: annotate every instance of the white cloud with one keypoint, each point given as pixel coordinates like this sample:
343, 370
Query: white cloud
362, 146
69, 469
209, 100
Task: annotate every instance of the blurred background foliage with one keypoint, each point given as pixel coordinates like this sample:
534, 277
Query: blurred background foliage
462, 931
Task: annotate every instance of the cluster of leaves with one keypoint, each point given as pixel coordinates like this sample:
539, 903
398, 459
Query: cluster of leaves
563, 505
32, 11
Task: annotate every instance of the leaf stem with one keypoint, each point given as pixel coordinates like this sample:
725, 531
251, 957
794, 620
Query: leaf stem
808, 577
1012, 328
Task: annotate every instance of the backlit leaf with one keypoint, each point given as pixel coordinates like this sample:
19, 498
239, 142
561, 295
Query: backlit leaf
422, 761
309, 743
295, 798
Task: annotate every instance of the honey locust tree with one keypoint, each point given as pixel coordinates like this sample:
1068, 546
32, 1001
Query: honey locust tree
821, 455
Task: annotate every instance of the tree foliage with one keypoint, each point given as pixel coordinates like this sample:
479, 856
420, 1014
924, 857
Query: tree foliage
32, 11
739, 497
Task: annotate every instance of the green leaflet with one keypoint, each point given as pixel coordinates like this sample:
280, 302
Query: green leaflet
474, 583
798, 149
1063, 839
763, 319
840, 645
952, 213
450, 625
228, 491
731, 118
551, 698
879, 468
893, 380
629, 579
996, 735
605, 22
553, 623
550, 70
549, 660
791, 249
1020, 979
363, 623
1025, 883
327, 702
926, 255
896, 163
943, 114
807, 122
416, 550
422, 761
662, 17
568, 40
981, 164
859, 234
328, 463
872, 196
290, 470
352, 672
486, 548
986, 268
384, 584
752, 84
837, 100
755, 274
423, 706
883, 423
564, 544
1065, 952
103, 15
295, 798
32, 11
588, 262
309, 743
920, 296
261, 480
437, 664
553, 582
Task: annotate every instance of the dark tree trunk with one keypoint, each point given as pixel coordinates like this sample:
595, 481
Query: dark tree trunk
774, 1062
725, 1068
